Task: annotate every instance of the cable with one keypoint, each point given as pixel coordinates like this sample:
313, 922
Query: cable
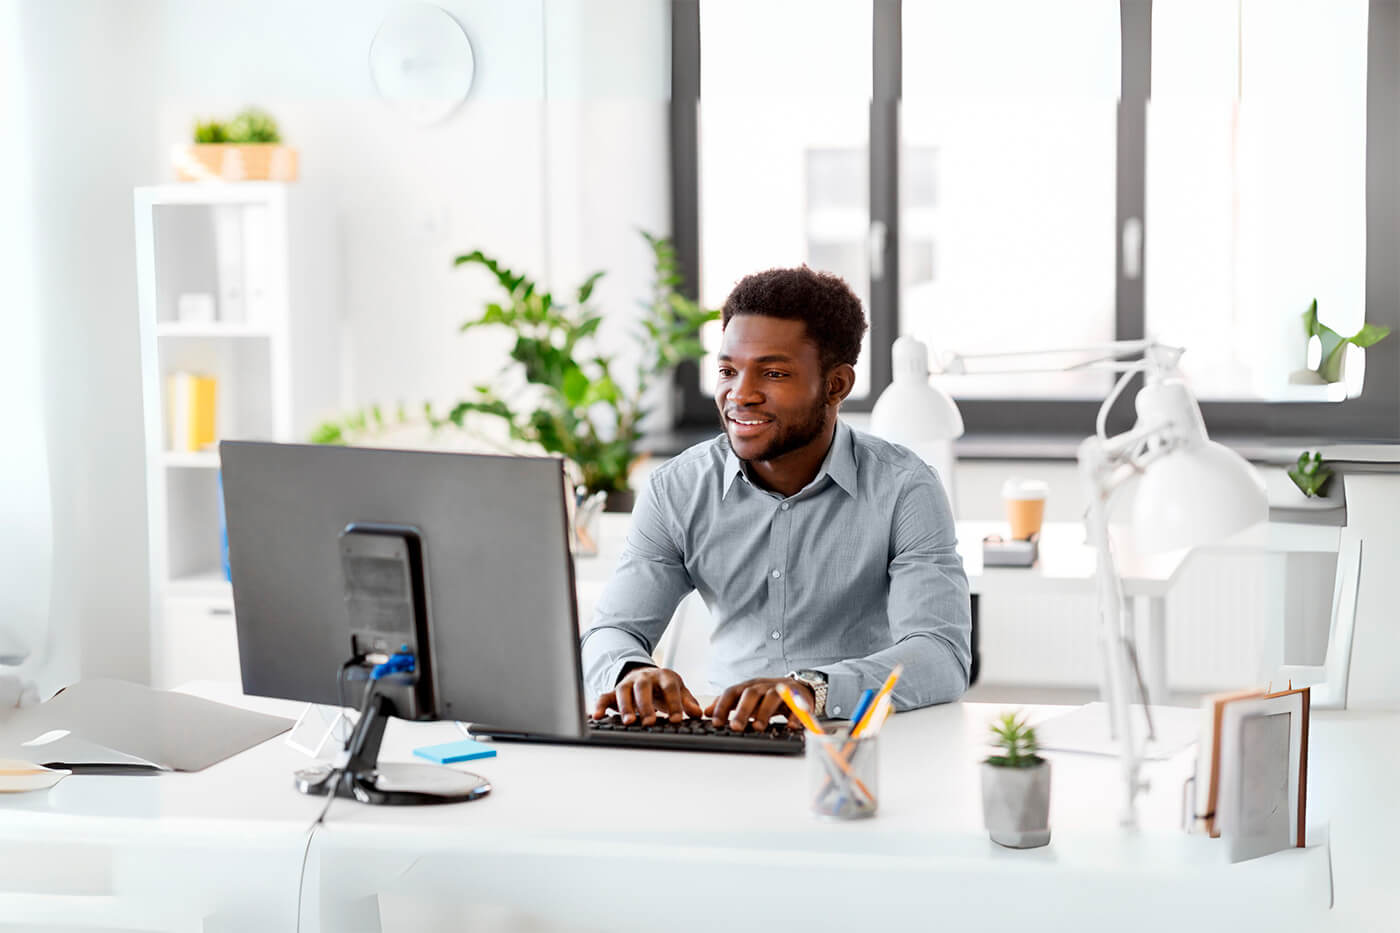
331, 781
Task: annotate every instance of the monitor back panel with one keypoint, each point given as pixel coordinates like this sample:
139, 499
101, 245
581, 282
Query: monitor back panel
500, 591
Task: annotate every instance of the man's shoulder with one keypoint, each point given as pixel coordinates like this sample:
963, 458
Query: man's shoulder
883, 461
693, 463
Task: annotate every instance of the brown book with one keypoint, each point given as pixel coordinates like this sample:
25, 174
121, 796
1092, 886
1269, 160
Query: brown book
1208, 760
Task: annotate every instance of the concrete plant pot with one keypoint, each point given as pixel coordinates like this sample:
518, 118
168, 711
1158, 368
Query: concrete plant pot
1016, 804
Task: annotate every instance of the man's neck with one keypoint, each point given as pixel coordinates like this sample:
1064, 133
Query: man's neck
790, 473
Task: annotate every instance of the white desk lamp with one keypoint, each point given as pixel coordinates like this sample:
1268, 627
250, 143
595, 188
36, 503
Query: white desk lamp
1191, 491
917, 415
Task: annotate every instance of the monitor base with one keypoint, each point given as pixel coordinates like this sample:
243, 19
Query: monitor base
396, 784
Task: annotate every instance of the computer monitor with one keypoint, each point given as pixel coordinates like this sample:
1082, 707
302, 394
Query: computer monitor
340, 556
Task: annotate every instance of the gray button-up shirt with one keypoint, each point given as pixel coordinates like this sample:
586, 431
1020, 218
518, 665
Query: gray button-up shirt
856, 572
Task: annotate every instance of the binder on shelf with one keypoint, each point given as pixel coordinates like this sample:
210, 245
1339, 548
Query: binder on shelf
255, 262
228, 258
191, 401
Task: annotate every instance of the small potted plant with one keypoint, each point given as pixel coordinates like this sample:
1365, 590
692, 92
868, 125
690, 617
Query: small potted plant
1016, 786
246, 148
1311, 475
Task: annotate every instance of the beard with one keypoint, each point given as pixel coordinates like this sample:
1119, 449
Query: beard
789, 437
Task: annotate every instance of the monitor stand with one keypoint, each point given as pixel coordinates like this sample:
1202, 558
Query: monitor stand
364, 779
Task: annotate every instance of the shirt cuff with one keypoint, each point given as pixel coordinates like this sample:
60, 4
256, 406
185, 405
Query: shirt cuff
605, 652
843, 690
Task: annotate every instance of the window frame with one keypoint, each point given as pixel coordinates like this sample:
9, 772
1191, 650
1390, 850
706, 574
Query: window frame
1375, 415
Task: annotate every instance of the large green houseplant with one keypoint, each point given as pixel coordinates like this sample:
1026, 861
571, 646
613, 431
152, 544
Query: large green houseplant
572, 403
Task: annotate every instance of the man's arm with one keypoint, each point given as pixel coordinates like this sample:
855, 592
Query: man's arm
639, 599
930, 611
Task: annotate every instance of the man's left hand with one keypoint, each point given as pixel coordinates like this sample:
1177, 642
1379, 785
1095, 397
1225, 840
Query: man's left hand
757, 700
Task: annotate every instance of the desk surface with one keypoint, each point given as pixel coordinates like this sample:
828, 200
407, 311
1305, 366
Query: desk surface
594, 810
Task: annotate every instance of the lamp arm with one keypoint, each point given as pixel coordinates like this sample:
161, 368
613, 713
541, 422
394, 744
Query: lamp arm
1101, 475
1160, 356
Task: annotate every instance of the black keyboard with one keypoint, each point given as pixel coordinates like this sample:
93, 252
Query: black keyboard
694, 735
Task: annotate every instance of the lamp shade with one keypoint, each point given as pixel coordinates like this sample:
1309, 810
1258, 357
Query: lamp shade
910, 411
1197, 494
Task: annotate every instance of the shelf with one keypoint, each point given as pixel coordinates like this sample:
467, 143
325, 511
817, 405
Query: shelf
203, 459
211, 583
176, 329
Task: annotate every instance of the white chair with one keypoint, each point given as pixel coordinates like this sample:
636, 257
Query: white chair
1329, 679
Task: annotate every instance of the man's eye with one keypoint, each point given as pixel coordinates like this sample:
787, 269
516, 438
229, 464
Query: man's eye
725, 371
775, 374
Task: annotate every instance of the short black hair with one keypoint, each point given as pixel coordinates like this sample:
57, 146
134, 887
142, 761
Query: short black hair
824, 302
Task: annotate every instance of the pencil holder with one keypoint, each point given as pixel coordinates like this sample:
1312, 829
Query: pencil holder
843, 775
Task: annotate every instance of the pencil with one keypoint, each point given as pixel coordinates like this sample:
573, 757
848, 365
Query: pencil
806, 719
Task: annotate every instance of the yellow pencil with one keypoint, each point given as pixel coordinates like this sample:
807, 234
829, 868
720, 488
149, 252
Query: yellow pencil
806, 719
885, 689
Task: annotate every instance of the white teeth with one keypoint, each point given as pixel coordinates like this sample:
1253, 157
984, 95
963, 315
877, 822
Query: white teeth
739, 421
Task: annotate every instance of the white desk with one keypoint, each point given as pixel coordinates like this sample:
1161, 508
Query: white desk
595, 839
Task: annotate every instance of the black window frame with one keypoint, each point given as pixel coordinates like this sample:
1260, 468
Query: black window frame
1375, 415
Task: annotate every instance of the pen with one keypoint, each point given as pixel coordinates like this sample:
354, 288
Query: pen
885, 689
862, 705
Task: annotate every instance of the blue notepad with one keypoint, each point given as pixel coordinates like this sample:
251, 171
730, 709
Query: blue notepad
452, 752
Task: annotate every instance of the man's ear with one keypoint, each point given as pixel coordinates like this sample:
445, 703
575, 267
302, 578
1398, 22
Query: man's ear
839, 383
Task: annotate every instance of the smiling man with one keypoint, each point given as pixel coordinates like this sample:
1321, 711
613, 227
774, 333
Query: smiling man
825, 556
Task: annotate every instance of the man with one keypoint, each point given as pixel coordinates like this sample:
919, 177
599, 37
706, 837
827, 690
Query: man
826, 556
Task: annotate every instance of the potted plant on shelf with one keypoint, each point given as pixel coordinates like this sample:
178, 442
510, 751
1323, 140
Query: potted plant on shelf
246, 148
1311, 475
571, 402
1016, 786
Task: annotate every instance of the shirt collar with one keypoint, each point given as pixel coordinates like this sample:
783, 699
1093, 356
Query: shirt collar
839, 464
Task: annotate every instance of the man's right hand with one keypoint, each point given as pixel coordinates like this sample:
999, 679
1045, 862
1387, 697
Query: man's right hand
647, 692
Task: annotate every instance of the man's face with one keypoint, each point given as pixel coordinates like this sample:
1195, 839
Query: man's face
771, 393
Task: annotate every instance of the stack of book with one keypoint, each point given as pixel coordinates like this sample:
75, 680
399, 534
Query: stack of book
191, 403
1251, 782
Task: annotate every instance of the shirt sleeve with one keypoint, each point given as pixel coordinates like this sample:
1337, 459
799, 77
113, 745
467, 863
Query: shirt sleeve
641, 596
930, 611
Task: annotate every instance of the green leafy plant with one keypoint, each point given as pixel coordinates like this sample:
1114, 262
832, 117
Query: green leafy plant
210, 131
1016, 741
1334, 345
250, 126
572, 404
1310, 474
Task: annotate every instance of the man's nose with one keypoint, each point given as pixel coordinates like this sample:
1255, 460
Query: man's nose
745, 391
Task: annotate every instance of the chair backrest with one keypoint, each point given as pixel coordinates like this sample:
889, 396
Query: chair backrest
1329, 679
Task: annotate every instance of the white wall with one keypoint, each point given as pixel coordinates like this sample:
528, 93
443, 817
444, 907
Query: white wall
90, 91
26, 550
558, 153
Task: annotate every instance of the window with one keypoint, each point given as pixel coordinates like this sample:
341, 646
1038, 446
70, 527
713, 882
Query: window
1012, 174
784, 153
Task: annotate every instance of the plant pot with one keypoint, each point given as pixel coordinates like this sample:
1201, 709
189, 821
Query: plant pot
1016, 804
234, 162
620, 500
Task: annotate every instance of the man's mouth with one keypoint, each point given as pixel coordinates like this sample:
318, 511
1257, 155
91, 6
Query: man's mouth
748, 426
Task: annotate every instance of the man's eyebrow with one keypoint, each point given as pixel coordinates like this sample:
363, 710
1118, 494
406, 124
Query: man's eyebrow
766, 358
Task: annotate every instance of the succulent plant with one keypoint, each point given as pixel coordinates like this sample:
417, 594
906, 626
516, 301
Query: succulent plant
1016, 741
210, 131
254, 126
1311, 475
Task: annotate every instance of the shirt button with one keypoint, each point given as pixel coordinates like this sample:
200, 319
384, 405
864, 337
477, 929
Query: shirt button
836, 711
777, 634
786, 506
777, 574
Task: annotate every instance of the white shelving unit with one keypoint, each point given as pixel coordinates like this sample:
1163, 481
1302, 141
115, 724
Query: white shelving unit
265, 255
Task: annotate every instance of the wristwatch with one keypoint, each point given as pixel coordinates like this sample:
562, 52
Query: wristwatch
816, 680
